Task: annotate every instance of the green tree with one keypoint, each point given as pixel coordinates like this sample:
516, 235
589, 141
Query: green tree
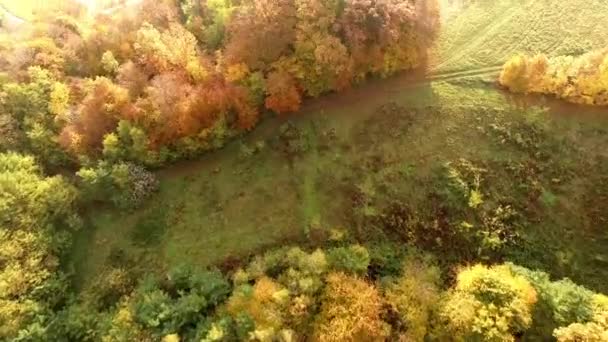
353, 259
596, 330
35, 212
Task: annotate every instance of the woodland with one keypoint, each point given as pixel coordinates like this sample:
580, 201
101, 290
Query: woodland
301, 170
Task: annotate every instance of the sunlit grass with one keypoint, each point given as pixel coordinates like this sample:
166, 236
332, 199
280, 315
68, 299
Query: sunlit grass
488, 33
26, 9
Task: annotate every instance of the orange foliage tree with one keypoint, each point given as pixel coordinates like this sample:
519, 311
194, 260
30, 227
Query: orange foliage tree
261, 32
283, 94
97, 115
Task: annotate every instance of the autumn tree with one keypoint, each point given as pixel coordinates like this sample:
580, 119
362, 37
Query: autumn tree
40, 52
167, 109
415, 295
173, 49
490, 304
595, 330
35, 211
320, 62
109, 63
581, 80
521, 74
96, 116
261, 23
207, 20
131, 77
351, 310
283, 93
264, 303
39, 107
386, 37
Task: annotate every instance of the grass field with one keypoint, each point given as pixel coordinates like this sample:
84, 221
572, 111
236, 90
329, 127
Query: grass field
387, 140
26, 9
486, 33
235, 202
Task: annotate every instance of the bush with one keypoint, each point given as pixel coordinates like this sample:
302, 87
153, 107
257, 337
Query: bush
109, 287
126, 185
77, 322
143, 184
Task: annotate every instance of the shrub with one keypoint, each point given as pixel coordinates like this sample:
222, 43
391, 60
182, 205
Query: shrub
123, 326
77, 322
109, 287
127, 185
143, 184
10, 135
211, 284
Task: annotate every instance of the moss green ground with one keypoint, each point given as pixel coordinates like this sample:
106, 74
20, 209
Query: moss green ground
386, 139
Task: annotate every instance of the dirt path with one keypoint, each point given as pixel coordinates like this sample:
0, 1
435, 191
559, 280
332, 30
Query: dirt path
451, 76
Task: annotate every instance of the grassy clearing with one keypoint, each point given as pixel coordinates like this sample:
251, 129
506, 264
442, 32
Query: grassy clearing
487, 33
269, 188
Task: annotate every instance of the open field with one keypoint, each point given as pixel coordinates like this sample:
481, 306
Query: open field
487, 33
25, 9
390, 140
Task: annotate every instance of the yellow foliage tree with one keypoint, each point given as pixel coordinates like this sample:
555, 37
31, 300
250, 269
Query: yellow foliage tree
351, 311
514, 74
582, 80
59, 100
264, 304
414, 295
489, 304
